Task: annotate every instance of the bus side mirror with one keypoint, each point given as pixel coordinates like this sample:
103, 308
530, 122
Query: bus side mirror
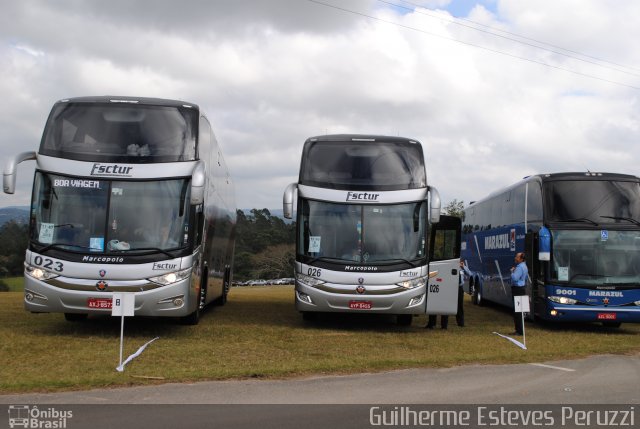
287, 200
9, 175
436, 205
544, 245
198, 180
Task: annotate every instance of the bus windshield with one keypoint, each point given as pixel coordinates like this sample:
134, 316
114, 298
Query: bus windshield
101, 216
363, 165
121, 132
592, 202
596, 257
362, 234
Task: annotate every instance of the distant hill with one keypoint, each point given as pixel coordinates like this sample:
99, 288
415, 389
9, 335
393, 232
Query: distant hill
18, 214
274, 212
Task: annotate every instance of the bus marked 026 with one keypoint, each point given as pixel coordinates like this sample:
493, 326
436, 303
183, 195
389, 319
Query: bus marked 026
363, 239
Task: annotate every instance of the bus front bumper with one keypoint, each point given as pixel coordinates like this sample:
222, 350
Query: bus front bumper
378, 299
82, 296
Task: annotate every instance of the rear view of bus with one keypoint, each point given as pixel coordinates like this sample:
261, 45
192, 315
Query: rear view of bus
125, 193
363, 222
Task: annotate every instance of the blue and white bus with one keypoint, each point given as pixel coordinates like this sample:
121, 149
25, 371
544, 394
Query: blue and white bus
581, 236
130, 195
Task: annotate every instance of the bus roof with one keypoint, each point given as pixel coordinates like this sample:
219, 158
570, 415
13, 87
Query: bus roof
129, 99
547, 177
361, 137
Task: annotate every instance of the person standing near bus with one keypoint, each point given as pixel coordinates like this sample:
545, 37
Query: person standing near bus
519, 274
460, 314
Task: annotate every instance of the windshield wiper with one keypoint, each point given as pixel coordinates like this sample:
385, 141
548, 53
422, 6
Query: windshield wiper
330, 259
150, 249
395, 260
628, 219
58, 245
579, 219
586, 274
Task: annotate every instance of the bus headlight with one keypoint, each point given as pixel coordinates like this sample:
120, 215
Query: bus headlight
170, 278
309, 281
563, 300
38, 273
412, 284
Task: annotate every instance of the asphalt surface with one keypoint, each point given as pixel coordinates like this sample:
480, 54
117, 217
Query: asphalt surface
358, 400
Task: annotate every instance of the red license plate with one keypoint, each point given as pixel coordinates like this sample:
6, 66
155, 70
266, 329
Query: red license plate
606, 316
104, 303
360, 305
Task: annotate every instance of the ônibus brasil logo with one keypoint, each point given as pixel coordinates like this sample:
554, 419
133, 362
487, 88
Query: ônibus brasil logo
28, 416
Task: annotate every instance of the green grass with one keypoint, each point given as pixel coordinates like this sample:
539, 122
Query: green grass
16, 284
259, 334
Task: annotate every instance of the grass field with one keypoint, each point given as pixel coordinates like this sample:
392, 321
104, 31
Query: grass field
259, 334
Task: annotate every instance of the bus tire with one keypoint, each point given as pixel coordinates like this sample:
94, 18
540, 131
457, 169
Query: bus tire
194, 318
226, 283
611, 324
75, 317
191, 319
309, 316
404, 319
477, 294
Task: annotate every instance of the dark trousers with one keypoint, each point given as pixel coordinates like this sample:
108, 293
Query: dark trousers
444, 321
517, 317
460, 314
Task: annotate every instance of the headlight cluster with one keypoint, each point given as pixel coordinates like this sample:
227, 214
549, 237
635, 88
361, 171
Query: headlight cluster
307, 280
38, 273
563, 300
169, 278
414, 283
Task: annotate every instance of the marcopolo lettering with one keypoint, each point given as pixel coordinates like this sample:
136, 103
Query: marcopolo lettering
110, 170
359, 268
105, 259
362, 196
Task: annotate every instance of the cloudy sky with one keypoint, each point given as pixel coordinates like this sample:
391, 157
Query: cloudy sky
494, 89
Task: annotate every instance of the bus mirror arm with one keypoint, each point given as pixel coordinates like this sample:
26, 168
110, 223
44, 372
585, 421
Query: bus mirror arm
9, 175
287, 200
436, 205
198, 180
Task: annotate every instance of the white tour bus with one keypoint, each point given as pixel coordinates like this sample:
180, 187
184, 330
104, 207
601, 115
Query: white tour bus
129, 195
367, 240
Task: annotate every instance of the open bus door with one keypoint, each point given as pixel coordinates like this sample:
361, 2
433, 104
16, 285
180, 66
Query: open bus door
535, 283
444, 266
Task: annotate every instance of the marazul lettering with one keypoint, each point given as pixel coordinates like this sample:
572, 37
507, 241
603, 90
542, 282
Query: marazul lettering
604, 293
500, 241
110, 170
362, 196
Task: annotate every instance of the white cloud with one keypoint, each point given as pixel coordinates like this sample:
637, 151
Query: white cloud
270, 74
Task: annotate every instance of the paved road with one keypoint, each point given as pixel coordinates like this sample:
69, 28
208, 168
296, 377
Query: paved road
594, 380
372, 400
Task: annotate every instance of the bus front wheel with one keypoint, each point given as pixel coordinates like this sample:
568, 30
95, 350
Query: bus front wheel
404, 319
611, 324
75, 317
477, 295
